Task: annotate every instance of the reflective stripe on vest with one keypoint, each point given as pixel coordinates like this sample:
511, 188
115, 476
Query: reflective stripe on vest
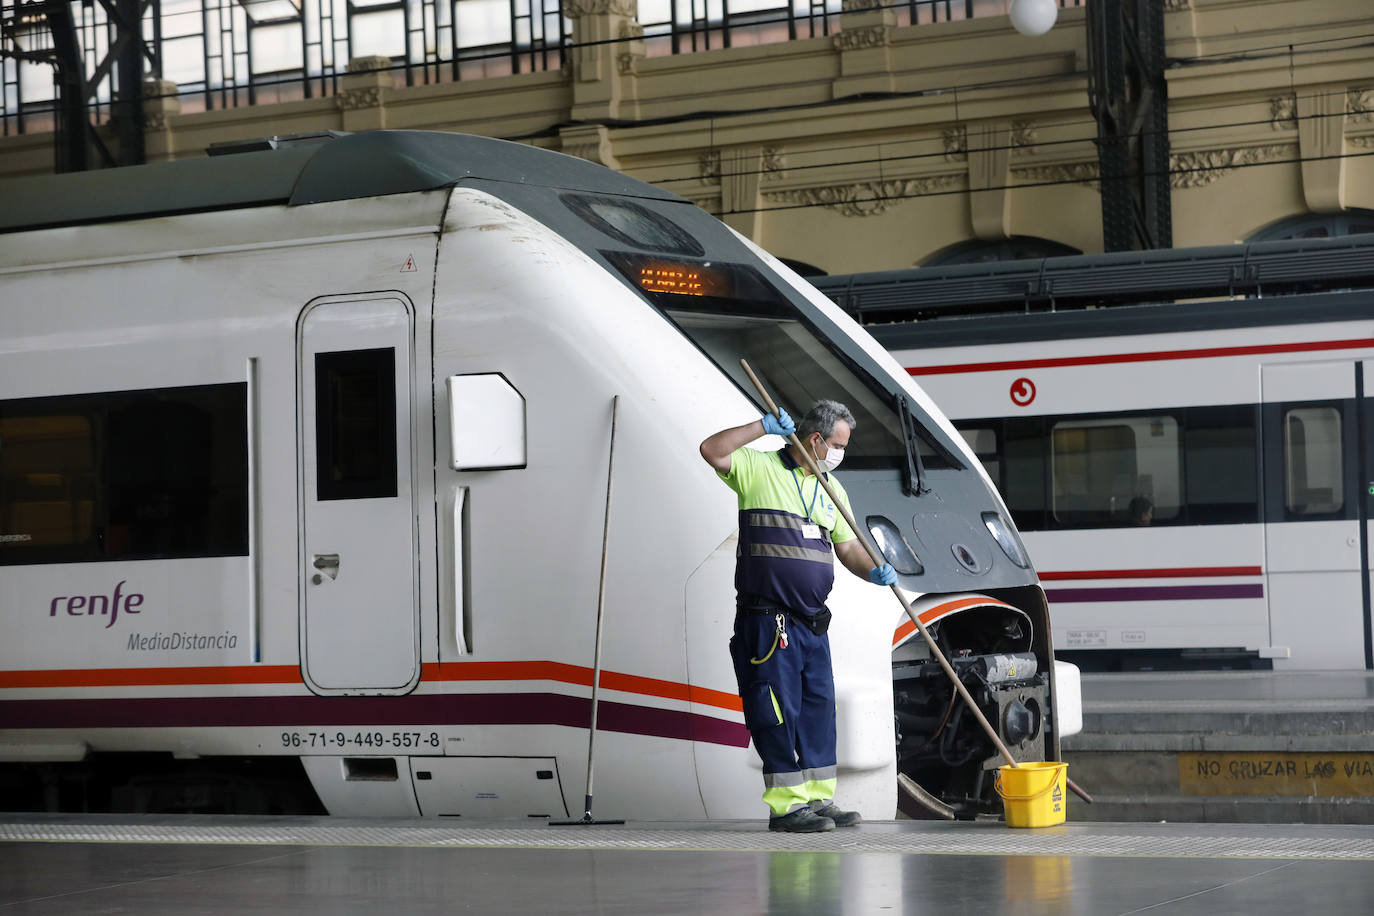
778, 565
790, 553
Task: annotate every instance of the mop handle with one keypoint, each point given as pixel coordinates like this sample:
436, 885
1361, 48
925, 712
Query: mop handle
877, 561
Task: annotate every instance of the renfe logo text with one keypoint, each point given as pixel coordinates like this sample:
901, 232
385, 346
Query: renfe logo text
86, 605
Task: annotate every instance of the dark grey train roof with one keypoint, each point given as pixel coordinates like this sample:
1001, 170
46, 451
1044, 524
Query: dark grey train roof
1126, 320
349, 166
1120, 278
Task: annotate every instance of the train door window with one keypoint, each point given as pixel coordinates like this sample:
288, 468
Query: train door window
1221, 476
1023, 486
1313, 478
983, 441
1108, 471
355, 424
125, 475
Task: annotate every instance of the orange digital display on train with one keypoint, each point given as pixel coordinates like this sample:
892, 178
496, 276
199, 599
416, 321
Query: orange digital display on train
682, 279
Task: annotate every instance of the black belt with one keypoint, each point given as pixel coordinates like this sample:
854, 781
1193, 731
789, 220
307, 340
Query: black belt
818, 624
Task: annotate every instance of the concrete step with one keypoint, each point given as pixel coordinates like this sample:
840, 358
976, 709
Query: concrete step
1196, 730
1251, 747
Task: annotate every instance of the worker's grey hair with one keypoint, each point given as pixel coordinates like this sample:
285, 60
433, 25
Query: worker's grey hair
821, 418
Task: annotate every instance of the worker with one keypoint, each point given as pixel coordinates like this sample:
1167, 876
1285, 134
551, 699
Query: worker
784, 570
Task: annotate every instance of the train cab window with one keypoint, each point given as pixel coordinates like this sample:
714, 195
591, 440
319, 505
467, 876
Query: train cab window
1104, 471
799, 369
730, 311
124, 475
355, 424
1313, 477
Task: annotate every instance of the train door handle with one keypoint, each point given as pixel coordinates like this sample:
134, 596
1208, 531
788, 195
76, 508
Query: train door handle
327, 563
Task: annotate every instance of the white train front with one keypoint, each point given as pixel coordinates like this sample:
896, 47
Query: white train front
303, 457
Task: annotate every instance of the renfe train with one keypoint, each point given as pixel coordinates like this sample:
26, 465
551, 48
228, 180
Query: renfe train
1186, 439
303, 469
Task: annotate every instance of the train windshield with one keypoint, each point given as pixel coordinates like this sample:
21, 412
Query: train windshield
731, 313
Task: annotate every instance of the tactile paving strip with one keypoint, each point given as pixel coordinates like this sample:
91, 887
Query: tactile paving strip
1235, 843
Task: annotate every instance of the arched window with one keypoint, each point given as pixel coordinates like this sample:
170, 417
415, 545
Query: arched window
1016, 248
1317, 226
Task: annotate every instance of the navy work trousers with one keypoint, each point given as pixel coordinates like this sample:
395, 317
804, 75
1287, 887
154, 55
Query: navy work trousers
789, 708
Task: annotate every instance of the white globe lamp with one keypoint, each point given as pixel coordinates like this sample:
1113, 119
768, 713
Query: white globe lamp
1033, 17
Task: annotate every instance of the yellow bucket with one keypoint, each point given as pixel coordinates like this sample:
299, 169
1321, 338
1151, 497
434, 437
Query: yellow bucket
1034, 794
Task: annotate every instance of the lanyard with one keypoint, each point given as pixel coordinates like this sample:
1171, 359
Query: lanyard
802, 497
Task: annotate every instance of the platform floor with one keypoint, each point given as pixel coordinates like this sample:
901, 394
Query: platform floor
200, 865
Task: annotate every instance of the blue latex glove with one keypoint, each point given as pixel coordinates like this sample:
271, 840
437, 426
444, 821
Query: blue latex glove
781, 425
883, 575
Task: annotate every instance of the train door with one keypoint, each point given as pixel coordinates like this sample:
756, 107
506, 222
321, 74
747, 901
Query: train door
1364, 382
1316, 572
359, 608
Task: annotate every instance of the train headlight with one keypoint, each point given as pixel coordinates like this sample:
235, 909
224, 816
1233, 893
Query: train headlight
894, 547
1010, 544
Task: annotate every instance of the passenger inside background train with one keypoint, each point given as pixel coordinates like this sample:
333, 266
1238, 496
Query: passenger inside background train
1142, 511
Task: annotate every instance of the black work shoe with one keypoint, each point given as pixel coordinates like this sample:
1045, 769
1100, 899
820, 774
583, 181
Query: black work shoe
801, 821
841, 818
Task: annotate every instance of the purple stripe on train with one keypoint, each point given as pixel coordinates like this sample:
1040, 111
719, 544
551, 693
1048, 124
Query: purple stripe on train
416, 709
1153, 593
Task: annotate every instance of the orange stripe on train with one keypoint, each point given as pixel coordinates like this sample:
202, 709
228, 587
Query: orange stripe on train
940, 610
430, 671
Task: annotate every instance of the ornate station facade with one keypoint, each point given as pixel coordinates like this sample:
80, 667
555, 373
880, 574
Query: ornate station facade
868, 137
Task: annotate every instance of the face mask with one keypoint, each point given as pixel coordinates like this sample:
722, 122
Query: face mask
832, 459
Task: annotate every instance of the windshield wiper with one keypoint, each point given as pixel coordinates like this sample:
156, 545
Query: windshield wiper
914, 473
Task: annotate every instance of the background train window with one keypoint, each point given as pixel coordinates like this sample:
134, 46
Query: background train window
1221, 476
1313, 482
1102, 469
983, 441
124, 475
355, 424
47, 477
1024, 460
1013, 453
1096, 461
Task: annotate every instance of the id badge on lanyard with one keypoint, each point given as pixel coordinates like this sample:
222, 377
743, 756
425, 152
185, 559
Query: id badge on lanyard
811, 531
